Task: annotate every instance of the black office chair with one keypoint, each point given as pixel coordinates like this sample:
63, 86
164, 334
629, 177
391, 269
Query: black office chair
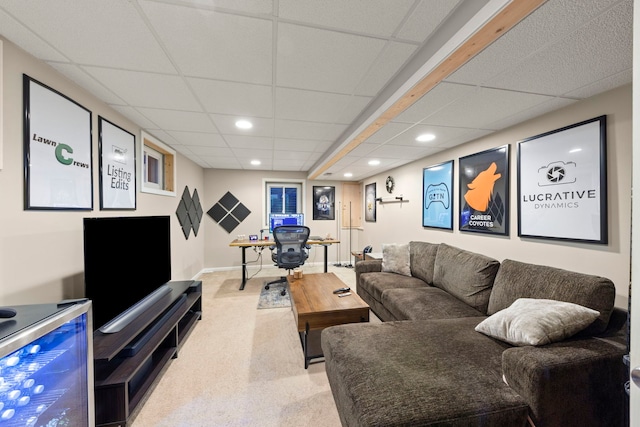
290, 250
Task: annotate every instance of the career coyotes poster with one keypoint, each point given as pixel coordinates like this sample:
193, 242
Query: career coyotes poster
484, 192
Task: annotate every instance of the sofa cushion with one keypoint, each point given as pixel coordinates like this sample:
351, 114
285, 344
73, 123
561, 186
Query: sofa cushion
521, 280
376, 283
422, 259
530, 321
425, 303
465, 275
419, 373
395, 258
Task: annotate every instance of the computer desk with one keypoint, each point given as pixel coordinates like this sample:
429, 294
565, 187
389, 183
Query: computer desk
246, 243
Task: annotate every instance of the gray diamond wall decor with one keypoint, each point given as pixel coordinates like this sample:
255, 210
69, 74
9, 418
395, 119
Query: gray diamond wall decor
189, 212
228, 212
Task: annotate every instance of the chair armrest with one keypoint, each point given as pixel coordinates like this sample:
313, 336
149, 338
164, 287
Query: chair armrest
574, 382
367, 266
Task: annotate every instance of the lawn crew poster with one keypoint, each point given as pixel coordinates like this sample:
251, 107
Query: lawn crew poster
484, 192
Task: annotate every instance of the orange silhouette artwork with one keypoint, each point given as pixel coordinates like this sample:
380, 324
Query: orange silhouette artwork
481, 188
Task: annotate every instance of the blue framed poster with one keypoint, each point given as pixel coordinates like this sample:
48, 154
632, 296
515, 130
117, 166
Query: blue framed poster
484, 192
437, 196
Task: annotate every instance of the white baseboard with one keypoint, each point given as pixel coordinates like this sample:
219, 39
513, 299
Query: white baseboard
249, 268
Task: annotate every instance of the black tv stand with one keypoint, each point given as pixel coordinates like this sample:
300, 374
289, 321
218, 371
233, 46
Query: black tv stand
128, 363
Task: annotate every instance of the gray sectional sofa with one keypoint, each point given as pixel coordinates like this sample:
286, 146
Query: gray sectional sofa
467, 340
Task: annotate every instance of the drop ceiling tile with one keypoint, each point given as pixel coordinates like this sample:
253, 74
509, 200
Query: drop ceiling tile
146, 89
392, 57
82, 79
535, 111
103, 33
388, 132
426, 18
484, 106
134, 115
22, 37
406, 152
179, 120
472, 135
354, 107
233, 98
568, 64
240, 141
307, 129
363, 149
547, 25
226, 125
221, 162
250, 6
433, 101
199, 139
218, 45
608, 83
266, 165
322, 146
288, 165
308, 105
282, 144
162, 135
321, 60
376, 17
200, 150
252, 153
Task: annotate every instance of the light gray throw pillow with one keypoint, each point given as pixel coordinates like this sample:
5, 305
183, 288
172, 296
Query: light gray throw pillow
530, 321
395, 258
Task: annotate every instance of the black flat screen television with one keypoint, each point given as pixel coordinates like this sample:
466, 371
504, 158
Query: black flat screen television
125, 260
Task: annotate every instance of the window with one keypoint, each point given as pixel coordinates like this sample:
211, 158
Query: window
283, 196
158, 167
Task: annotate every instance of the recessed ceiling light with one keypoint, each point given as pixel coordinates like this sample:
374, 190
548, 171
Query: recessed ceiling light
348, 174
425, 137
374, 162
256, 162
244, 124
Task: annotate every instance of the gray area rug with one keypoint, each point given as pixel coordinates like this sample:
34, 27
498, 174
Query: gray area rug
271, 298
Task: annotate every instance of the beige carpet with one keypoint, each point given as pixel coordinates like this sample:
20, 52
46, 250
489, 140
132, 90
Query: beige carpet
242, 366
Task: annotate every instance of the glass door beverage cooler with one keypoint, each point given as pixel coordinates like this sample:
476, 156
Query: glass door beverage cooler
46, 366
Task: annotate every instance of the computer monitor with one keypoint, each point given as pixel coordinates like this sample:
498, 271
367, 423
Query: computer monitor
278, 219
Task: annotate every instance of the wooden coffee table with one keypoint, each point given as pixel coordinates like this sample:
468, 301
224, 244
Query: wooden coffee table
316, 307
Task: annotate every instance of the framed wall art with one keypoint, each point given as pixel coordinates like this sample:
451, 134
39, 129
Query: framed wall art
437, 196
324, 203
484, 192
57, 150
370, 202
562, 184
117, 167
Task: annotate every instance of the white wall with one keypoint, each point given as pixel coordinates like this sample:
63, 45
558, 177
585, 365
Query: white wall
41, 252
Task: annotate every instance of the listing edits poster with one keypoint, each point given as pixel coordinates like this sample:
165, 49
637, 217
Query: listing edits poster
484, 192
117, 167
562, 183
